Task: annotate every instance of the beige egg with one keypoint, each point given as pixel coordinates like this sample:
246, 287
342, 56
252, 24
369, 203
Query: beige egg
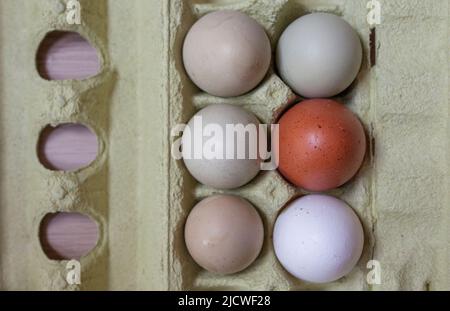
224, 234
226, 53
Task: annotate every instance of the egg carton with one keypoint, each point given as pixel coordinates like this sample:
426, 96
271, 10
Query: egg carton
140, 196
268, 192
366, 193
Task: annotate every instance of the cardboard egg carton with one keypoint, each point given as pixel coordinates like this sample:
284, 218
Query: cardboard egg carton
140, 196
268, 192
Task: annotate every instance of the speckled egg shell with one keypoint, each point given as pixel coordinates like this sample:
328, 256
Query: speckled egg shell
322, 144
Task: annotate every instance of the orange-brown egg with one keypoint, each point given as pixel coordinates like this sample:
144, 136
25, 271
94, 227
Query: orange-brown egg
322, 144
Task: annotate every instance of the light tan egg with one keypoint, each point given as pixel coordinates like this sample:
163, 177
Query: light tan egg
224, 234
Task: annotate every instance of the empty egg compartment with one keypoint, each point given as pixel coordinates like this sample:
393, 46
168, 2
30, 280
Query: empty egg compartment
268, 192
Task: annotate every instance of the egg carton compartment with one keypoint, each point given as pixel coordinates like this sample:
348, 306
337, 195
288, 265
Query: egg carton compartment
140, 197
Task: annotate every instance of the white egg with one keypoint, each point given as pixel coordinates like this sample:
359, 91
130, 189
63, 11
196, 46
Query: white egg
319, 55
318, 238
214, 167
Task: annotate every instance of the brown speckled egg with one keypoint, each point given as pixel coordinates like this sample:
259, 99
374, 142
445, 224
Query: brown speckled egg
224, 234
322, 144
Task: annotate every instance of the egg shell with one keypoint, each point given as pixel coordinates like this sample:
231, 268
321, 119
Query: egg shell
221, 173
318, 238
321, 144
224, 234
226, 53
319, 55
